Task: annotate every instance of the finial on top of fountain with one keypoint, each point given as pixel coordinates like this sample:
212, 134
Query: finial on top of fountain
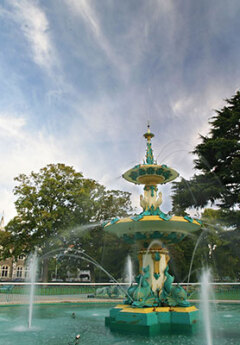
150, 173
148, 135
149, 153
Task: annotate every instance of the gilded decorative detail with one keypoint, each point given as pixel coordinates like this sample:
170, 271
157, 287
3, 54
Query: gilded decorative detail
140, 261
167, 258
150, 200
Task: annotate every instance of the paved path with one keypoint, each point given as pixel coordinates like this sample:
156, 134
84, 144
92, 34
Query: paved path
10, 299
13, 299
232, 301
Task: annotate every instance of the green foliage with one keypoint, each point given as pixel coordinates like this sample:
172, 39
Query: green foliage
226, 255
6, 242
106, 249
218, 249
218, 183
219, 153
53, 206
218, 160
197, 192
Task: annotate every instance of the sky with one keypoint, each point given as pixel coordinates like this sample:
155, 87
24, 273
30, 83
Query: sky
81, 78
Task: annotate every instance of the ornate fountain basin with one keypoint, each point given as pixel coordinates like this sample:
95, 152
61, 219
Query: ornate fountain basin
151, 174
149, 227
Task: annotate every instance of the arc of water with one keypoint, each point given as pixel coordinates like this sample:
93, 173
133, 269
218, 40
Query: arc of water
194, 251
148, 249
193, 255
99, 266
163, 149
87, 258
176, 151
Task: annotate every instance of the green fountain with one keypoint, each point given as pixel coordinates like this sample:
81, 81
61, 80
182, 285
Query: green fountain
153, 305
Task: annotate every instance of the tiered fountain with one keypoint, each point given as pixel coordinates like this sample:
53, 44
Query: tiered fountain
153, 305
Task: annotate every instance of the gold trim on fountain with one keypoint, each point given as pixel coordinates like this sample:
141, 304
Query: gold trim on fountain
140, 260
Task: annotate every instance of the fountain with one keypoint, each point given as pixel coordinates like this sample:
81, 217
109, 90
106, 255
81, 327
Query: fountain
153, 305
32, 276
129, 270
205, 306
156, 306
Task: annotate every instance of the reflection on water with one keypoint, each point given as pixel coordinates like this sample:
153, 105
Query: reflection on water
54, 325
25, 329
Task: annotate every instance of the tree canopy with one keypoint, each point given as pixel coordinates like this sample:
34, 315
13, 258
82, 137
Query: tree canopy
218, 166
217, 182
53, 205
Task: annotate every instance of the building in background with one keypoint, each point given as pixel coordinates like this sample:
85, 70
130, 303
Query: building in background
12, 269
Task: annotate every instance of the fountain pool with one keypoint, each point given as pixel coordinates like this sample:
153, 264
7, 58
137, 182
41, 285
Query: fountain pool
53, 324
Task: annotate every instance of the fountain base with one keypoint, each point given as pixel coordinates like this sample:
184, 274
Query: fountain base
152, 321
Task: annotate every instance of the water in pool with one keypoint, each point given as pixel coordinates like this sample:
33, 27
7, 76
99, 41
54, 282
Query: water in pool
57, 325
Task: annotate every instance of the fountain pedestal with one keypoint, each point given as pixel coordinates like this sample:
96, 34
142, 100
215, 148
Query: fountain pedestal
152, 321
153, 305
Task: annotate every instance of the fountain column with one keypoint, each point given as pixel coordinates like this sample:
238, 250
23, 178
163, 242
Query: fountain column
156, 256
157, 259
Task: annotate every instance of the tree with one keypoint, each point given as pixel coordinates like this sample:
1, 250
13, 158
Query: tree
217, 182
218, 161
226, 254
216, 248
52, 202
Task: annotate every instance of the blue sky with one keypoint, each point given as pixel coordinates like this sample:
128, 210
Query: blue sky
81, 78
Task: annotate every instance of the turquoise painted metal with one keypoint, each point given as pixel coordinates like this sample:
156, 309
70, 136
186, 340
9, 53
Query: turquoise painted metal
153, 305
153, 321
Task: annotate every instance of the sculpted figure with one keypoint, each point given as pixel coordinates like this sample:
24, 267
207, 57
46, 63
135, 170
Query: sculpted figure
178, 297
141, 295
151, 199
173, 295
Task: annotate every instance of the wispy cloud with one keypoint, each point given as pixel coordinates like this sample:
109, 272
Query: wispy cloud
85, 9
23, 150
36, 28
10, 126
113, 65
